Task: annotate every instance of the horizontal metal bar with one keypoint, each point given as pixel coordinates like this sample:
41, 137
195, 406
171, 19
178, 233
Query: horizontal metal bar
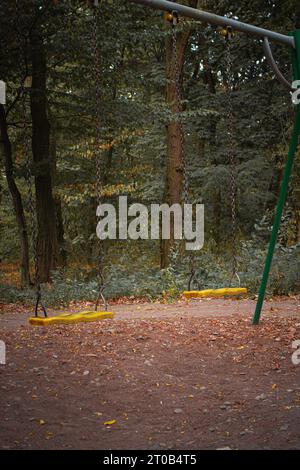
211, 18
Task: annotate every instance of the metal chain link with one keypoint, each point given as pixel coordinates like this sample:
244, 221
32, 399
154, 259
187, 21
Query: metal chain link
97, 143
232, 151
24, 95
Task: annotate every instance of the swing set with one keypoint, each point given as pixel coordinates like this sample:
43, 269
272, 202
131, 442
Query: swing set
229, 26
173, 12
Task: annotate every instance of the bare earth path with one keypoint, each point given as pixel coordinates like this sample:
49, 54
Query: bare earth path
180, 376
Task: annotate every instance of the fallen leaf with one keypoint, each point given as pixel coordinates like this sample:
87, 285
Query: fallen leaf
109, 423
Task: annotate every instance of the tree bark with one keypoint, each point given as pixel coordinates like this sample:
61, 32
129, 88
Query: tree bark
47, 246
174, 160
16, 199
60, 232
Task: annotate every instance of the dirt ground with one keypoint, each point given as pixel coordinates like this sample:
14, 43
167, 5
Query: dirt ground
189, 376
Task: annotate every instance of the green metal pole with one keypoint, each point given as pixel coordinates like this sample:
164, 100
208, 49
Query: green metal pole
283, 190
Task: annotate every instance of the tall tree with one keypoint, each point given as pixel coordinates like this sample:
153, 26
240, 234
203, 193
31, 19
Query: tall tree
174, 152
47, 246
16, 197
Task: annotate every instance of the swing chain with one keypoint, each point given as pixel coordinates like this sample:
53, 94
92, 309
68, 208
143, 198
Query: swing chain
31, 208
232, 149
174, 20
97, 142
25, 86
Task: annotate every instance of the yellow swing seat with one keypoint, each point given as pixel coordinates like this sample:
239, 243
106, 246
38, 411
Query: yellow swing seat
69, 317
215, 293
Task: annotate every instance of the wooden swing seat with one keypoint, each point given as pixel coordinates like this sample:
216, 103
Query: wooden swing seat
69, 317
215, 293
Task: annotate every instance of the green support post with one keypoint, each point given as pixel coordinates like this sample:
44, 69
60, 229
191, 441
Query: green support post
284, 187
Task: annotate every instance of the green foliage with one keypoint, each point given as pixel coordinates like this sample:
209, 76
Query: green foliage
134, 116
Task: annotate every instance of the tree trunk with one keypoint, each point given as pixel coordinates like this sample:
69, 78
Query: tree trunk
16, 199
174, 161
47, 247
60, 232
